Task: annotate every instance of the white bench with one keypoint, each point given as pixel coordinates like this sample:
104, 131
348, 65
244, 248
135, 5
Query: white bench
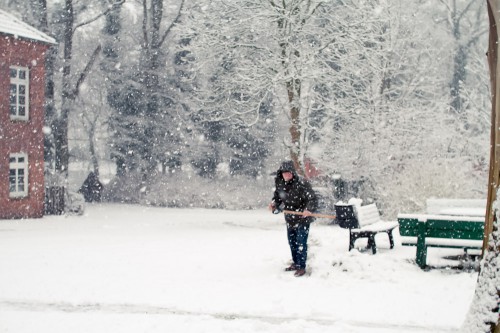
456, 207
369, 224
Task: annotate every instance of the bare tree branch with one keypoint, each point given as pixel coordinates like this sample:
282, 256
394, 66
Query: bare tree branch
174, 22
145, 24
466, 9
110, 8
85, 72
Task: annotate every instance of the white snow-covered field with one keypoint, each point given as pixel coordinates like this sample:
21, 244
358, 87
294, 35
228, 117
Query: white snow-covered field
124, 268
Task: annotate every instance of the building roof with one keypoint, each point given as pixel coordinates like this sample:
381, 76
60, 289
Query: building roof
11, 25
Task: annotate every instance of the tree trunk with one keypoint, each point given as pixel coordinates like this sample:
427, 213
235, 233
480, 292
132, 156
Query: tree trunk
293, 89
484, 305
50, 108
459, 76
62, 149
93, 155
39, 8
461, 56
151, 67
153, 59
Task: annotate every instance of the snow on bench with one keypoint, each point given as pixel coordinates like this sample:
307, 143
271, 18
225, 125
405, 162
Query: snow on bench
364, 222
459, 207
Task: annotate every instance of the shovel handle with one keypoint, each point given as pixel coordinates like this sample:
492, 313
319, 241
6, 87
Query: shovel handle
312, 214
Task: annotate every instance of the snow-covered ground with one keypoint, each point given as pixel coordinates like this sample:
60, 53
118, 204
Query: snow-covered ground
123, 268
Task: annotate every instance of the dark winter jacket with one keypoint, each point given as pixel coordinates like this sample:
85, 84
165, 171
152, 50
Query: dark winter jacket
296, 194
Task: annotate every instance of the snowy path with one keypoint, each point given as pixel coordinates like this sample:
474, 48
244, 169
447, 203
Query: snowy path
137, 309
134, 269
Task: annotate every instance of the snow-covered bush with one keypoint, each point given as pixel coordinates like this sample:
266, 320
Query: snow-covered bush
185, 189
406, 191
125, 188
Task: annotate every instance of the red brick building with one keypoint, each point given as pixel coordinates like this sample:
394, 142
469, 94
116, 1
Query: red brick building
22, 95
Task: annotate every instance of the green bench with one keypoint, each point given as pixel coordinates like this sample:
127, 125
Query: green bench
446, 231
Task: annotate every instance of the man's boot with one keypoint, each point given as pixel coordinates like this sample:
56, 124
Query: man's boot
300, 272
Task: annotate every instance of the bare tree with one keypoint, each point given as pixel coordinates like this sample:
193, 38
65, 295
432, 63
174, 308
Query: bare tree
466, 20
285, 51
71, 83
330, 67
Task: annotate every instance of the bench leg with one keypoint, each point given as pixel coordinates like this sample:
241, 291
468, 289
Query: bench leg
352, 239
421, 256
421, 247
391, 238
371, 243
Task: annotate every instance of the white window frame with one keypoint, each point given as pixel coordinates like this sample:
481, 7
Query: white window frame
17, 85
18, 175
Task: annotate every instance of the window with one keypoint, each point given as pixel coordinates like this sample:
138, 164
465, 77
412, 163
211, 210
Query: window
19, 93
18, 175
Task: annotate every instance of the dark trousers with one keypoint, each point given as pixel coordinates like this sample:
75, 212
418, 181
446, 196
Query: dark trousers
297, 239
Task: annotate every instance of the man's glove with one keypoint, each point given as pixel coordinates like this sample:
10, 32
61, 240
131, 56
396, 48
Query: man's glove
277, 210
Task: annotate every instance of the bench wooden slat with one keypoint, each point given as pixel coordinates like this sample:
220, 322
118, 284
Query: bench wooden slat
408, 226
367, 214
444, 242
455, 229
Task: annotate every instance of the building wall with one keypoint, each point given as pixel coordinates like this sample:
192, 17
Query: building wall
22, 136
